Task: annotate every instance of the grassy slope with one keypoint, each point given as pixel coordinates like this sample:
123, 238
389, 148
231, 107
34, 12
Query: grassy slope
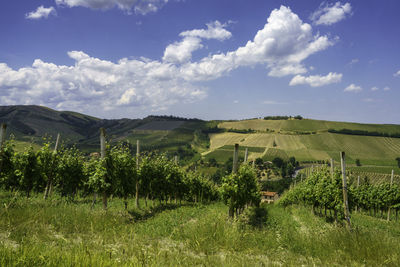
58, 233
377, 151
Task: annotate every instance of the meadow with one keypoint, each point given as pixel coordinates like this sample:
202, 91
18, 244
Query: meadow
58, 232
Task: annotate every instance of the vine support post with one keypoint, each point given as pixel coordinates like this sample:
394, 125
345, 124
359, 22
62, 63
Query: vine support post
102, 156
254, 163
391, 184
2, 138
235, 158
332, 167
49, 185
2, 135
176, 159
246, 154
345, 198
392, 178
137, 169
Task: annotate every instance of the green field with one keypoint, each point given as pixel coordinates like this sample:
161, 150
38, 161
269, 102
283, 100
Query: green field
57, 232
306, 125
292, 138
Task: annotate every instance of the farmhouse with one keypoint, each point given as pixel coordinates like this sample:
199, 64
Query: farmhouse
269, 197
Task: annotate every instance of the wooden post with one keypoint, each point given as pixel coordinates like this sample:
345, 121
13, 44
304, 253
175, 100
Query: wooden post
235, 159
254, 163
392, 178
391, 184
246, 154
137, 169
2, 135
2, 139
176, 159
345, 199
57, 142
102, 156
49, 186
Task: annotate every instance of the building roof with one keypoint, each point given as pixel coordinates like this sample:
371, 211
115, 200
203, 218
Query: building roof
268, 193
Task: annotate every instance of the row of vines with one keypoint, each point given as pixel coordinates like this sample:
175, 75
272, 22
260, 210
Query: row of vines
323, 191
120, 174
69, 172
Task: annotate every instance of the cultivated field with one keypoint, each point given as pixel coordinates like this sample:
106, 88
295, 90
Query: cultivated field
308, 140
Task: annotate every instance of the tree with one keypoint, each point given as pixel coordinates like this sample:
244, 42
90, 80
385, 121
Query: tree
278, 162
398, 161
358, 163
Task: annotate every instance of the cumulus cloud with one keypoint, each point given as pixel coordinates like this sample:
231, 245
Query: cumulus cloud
139, 6
41, 12
397, 74
281, 46
374, 88
353, 88
316, 80
180, 52
387, 88
95, 82
329, 14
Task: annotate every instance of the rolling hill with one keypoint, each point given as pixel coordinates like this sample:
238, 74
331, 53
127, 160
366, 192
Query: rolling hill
307, 140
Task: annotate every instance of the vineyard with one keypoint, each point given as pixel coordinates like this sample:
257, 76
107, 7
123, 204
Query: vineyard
155, 211
322, 190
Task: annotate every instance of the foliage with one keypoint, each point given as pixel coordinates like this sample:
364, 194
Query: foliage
240, 189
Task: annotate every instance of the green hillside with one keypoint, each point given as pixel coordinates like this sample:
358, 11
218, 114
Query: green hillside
308, 140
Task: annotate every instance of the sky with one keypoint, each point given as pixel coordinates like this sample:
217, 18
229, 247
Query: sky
207, 59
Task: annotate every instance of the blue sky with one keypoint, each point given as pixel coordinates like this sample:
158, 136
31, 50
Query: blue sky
210, 59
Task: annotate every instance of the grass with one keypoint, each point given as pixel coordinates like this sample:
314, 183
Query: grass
61, 233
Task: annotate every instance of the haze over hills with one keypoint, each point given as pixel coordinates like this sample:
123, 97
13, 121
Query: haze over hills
305, 139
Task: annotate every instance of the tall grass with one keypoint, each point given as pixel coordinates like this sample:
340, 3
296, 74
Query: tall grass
34, 232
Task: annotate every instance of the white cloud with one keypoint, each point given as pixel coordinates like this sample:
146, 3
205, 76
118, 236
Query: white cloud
387, 88
374, 88
354, 61
282, 45
180, 52
329, 14
397, 74
139, 6
316, 80
92, 83
235, 101
369, 100
41, 12
353, 88
272, 102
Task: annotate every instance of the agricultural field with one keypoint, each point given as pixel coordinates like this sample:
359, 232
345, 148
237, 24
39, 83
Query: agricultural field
307, 125
57, 232
308, 140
